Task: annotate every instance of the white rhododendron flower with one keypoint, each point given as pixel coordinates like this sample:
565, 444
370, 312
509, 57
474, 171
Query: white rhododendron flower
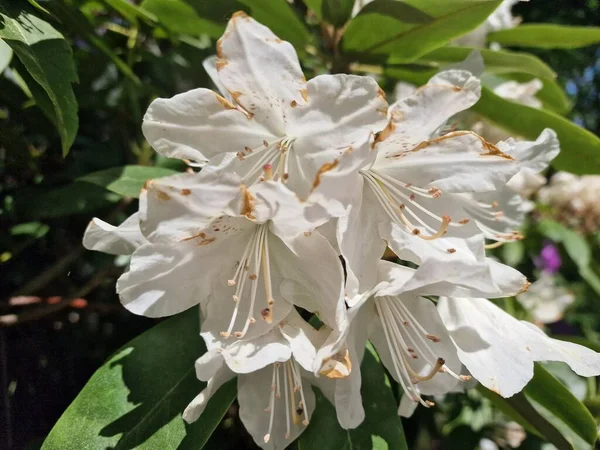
545, 300
273, 116
406, 329
274, 383
499, 350
407, 187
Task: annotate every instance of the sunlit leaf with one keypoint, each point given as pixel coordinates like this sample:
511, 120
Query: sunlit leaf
126, 180
542, 35
135, 400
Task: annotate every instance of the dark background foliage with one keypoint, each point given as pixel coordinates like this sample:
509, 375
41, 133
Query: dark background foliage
49, 349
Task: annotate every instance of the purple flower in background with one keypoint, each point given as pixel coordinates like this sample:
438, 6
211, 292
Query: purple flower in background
549, 260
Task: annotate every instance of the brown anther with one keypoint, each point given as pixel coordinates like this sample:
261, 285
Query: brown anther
451, 250
238, 334
401, 206
252, 276
299, 411
265, 143
286, 176
267, 315
248, 149
293, 103
416, 231
433, 337
241, 156
434, 192
494, 204
464, 221
412, 196
185, 192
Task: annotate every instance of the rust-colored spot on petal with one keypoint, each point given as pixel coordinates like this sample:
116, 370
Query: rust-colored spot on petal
324, 168
239, 14
226, 103
220, 51
304, 94
380, 92
235, 95
162, 195
384, 134
338, 366
221, 62
248, 203
525, 287
185, 192
207, 240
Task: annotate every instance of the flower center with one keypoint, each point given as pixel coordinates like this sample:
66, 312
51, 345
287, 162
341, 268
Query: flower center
407, 341
255, 259
276, 154
399, 201
295, 403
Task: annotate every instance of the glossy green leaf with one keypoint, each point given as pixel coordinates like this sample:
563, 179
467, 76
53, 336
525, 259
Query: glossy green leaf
546, 36
194, 17
580, 149
126, 180
381, 429
399, 10
75, 198
337, 12
279, 16
136, 398
131, 11
377, 34
562, 409
6, 54
48, 59
498, 62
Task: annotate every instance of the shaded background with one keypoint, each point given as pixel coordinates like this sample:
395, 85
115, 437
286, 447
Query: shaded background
61, 318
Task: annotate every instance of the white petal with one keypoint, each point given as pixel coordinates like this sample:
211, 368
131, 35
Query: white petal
209, 364
453, 265
359, 241
247, 356
254, 390
536, 156
260, 71
407, 406
418, 117
459, 161
342, 114
311, 275
195, 409
302, 338
165, 279
121, 240
179, 206
499, 350
200, 124
275, 202
210, 65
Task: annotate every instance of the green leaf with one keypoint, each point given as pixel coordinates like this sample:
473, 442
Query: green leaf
75, 198
194, 17
279, 16
48, 59
337, 12
562, 408
546, 36
377, 34
400, 10
131, 12
5, 55
580, 149
136, 398
513, 253
126, 180
381, 429
498, 62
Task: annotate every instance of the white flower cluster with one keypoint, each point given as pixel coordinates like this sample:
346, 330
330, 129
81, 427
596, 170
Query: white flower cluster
574, 199
303, 186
